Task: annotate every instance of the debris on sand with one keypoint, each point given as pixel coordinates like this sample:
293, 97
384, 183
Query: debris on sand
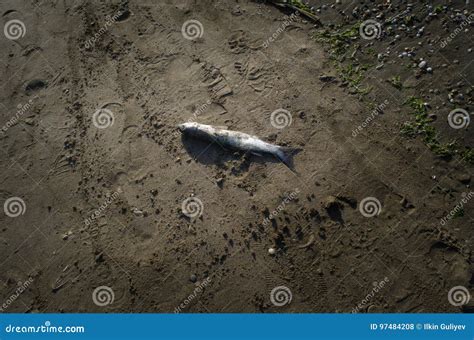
307, 244
299, 7
326, 78
137, 212
464, 178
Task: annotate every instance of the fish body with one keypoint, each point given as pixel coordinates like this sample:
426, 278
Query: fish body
237, 140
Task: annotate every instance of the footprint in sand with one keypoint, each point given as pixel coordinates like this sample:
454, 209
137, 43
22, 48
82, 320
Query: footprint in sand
260, 77
240, 42
35, 85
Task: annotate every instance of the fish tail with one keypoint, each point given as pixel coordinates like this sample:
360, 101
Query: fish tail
285, 154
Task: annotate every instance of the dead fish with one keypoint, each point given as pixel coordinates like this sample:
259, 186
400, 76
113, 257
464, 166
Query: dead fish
239, 140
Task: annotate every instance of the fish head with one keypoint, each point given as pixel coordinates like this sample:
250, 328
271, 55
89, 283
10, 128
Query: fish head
185, 127
188, 127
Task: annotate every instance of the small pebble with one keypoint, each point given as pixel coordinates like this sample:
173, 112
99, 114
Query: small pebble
271, 251
137, 212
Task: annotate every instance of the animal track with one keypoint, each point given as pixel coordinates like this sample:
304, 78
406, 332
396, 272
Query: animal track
259, 77
216, 83
238, 42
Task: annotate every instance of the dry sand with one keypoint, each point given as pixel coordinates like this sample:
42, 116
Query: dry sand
103, 207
